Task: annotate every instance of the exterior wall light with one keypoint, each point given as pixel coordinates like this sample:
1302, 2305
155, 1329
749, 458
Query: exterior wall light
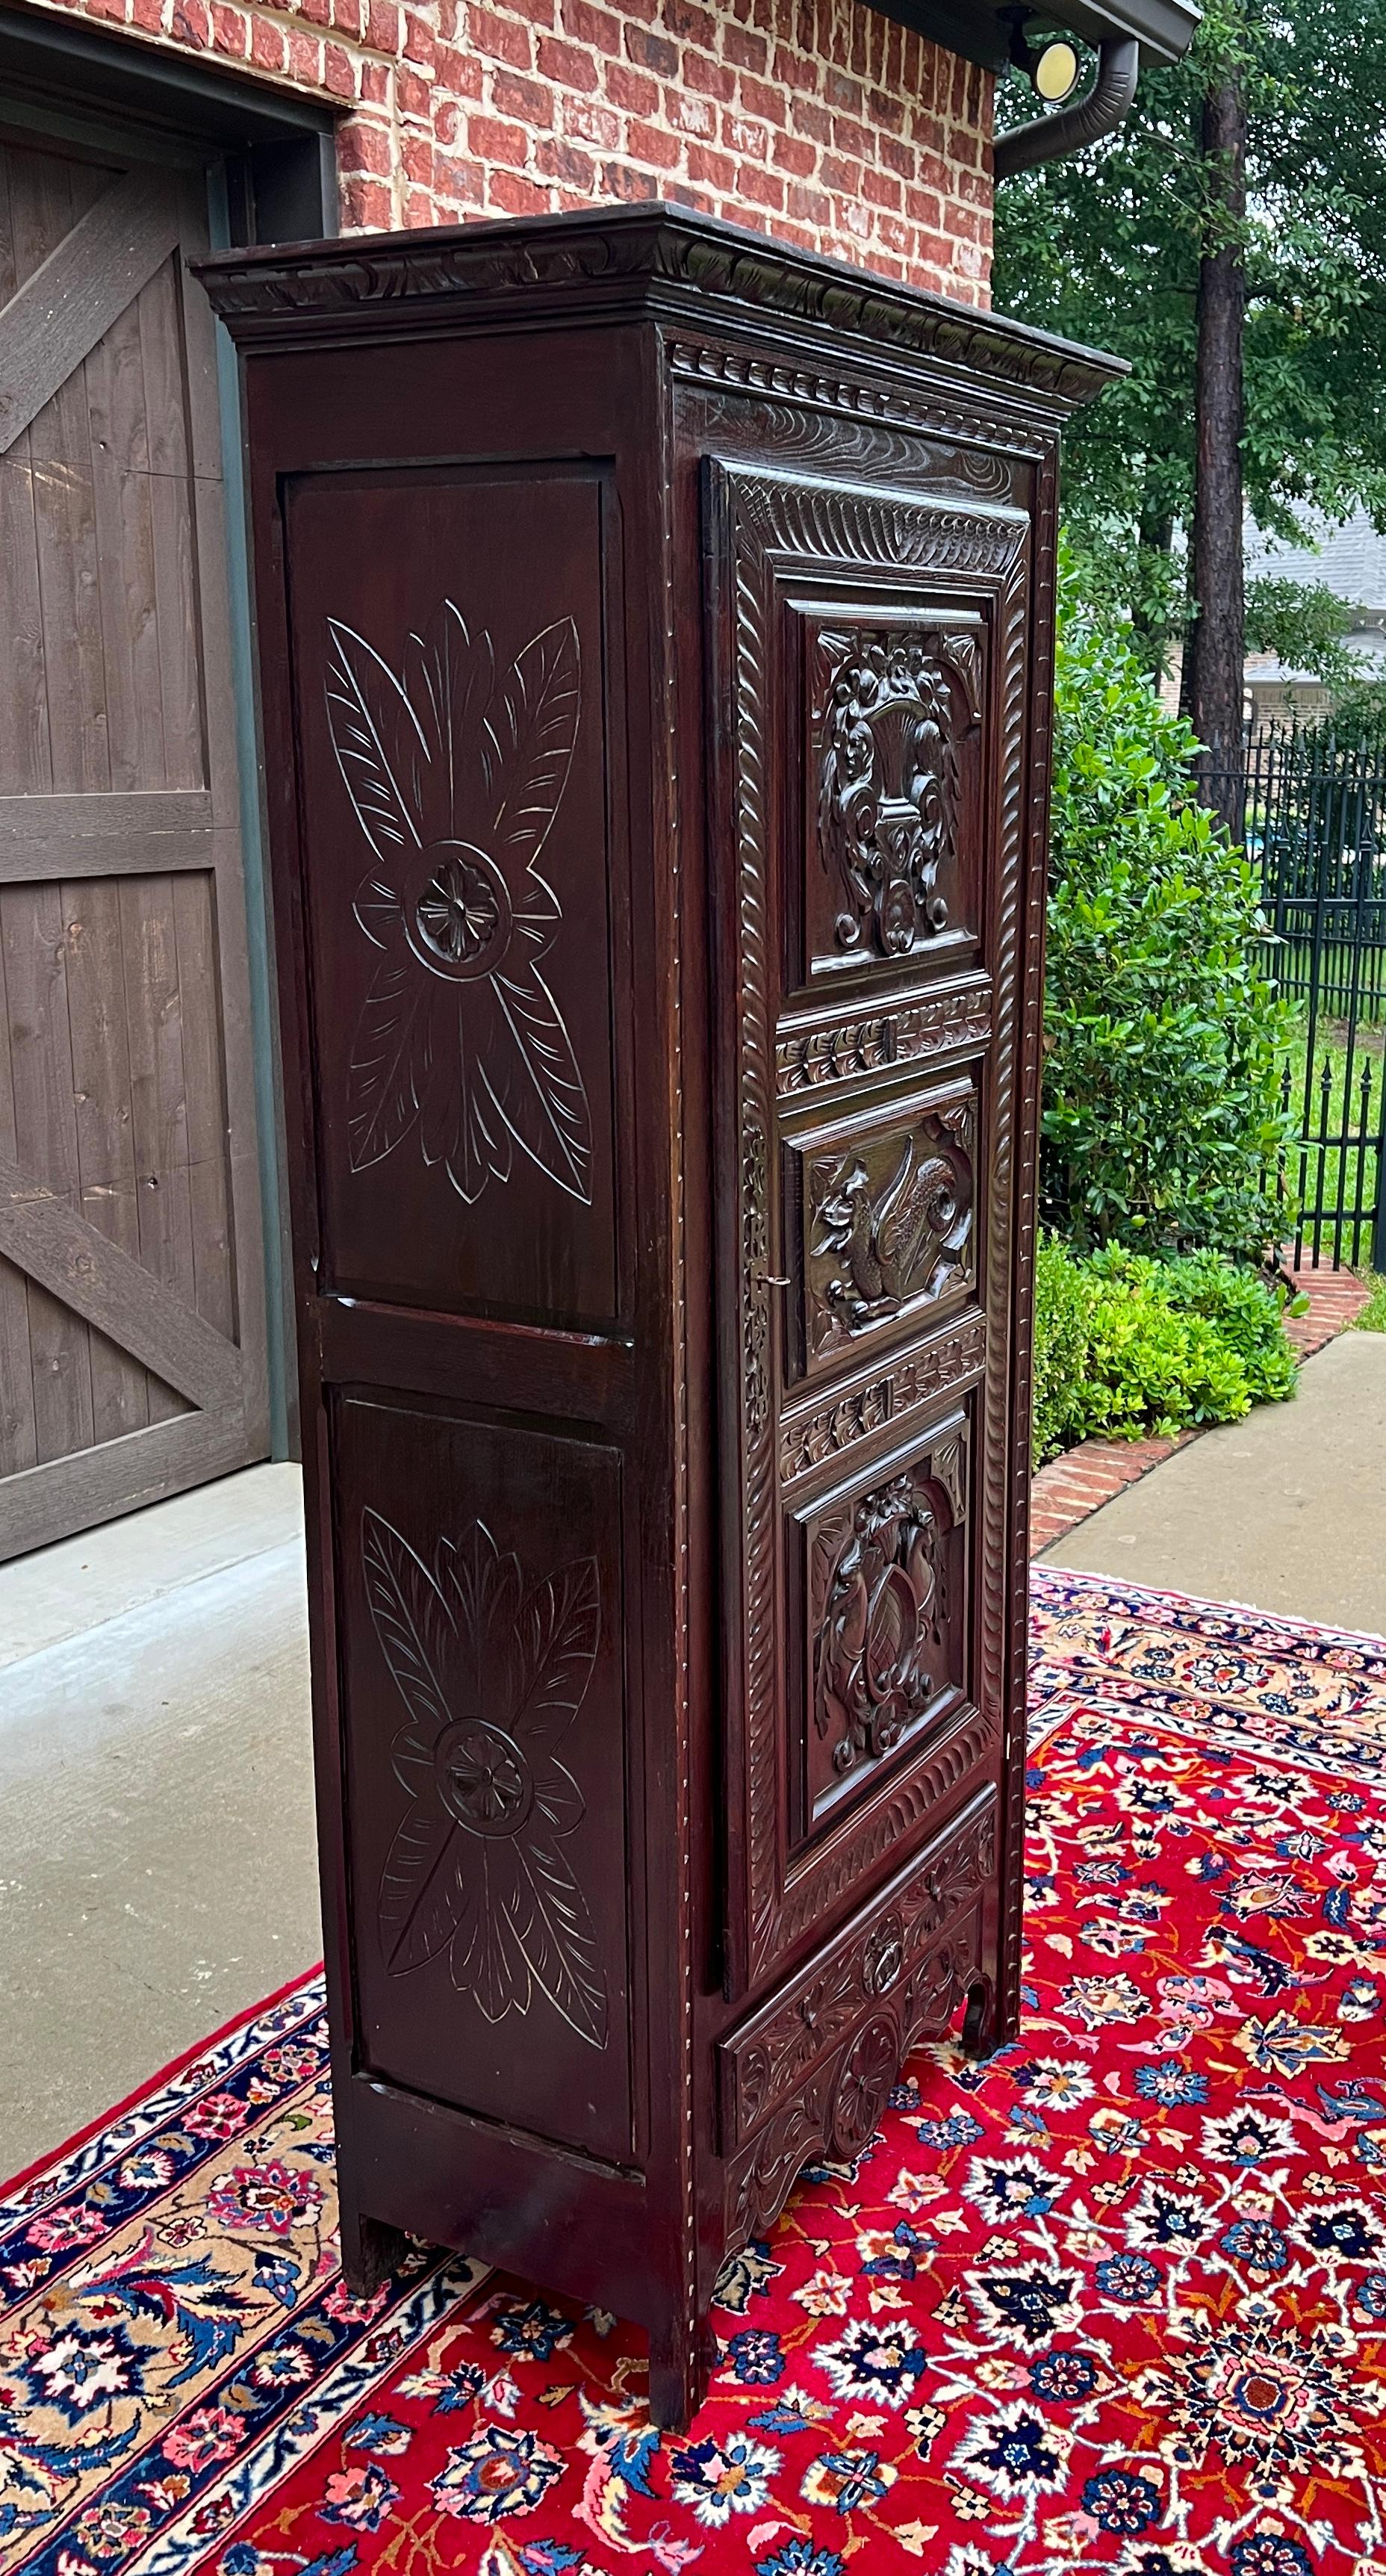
1054, 70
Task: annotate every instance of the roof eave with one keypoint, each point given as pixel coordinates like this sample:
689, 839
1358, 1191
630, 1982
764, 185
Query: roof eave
1164, 28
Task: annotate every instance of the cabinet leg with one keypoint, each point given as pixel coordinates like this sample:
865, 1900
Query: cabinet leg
982, 2033
370, 2251
680, 2368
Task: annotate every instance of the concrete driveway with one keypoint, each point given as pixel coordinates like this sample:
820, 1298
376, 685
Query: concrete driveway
157, 1853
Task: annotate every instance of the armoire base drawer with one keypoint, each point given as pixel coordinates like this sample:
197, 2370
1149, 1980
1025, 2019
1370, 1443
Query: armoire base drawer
809, 2072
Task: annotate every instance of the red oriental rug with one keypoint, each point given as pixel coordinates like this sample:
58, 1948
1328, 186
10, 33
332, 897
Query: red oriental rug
1118, 2301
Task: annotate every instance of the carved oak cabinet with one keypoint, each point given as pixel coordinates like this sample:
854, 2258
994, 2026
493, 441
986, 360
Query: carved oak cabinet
654, 637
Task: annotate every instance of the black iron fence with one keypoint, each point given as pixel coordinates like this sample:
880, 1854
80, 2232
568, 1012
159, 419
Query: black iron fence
1314, 823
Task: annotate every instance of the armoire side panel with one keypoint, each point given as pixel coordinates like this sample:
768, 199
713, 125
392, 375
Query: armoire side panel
449, 635
483, 1714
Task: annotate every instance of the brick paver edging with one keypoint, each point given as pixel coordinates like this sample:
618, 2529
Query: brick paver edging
1083, 1479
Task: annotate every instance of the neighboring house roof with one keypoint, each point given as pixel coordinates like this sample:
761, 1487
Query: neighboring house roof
1350, 560
983, 34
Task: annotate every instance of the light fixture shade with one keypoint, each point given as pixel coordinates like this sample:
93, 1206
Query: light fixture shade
1055, 71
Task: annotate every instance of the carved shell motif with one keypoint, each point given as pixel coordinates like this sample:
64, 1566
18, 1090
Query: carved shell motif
455, 785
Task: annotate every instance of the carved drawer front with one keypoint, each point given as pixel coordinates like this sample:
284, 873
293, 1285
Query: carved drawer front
810, 2072
882, 1222
880, 1573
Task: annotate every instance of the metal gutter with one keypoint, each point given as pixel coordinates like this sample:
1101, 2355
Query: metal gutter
1099, 111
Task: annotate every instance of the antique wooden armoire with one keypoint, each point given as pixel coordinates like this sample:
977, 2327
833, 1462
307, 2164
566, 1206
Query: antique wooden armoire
654, 631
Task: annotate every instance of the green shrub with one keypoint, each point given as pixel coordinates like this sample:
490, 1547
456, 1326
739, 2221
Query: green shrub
1126, 1345
1063, 1296
1248, 1314
1162, 1124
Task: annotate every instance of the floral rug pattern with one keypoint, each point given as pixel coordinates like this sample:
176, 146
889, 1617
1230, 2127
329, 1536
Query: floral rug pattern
1117, 2300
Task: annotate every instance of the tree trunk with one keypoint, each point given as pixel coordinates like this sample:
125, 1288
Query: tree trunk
1217, 643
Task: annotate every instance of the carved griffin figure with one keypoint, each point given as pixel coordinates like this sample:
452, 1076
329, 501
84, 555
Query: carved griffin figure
879, 1246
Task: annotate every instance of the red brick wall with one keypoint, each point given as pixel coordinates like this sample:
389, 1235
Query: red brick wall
817, 120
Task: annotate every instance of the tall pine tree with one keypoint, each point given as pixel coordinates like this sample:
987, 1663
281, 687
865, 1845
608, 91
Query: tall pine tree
1230, 241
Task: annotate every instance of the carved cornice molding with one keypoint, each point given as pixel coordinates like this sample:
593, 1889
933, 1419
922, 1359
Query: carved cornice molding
796, 390
656, 258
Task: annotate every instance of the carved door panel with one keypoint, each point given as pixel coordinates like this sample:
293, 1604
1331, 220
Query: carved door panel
868, 662
486, 1811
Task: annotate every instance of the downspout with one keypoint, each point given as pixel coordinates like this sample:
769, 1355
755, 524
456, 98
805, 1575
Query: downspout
1099, 111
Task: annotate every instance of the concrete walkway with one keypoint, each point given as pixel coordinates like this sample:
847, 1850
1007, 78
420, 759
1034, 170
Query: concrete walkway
1285, 1511
157, 1855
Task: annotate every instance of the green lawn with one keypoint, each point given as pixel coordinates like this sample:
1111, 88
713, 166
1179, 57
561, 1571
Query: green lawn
1342, 1121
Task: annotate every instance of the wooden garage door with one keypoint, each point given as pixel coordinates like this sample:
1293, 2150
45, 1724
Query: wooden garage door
131, 1297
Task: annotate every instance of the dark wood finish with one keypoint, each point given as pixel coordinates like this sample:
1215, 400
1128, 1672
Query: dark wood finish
655, 637
131, 1295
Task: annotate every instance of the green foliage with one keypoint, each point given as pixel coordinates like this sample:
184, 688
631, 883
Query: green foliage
1358, 714
1373, 1316
1126, 1346
1063, 1298
1177, 1343
1105, 247
1303, 623
1161, 1122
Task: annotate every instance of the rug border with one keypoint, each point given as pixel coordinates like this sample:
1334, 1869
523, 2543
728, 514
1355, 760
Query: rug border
151, 2083
1288, 1620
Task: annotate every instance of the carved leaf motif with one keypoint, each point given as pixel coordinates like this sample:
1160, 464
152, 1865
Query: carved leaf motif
482, 1590
557, 1635
547, 1113
486, 1963
420, 1901
423, 1900
456, 795
491, 1677
391, 1060
380, 749
532, 740
462, 1128
553, 1929
450, 676
411, 1621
